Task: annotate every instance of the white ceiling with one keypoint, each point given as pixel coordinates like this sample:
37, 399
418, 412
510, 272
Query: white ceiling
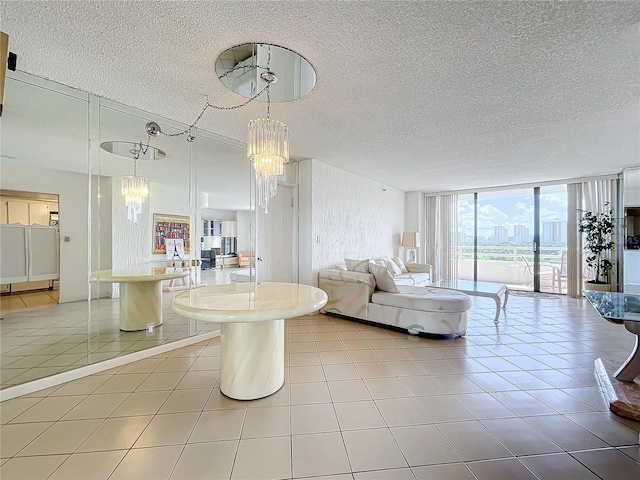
429, 96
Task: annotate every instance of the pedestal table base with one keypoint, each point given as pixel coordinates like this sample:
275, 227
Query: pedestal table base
140, 303
251, 359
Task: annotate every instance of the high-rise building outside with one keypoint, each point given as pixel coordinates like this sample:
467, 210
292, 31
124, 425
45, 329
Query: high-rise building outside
500, 234
520, 234
554, 232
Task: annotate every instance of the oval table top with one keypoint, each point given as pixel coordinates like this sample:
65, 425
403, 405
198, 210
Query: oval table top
140, 274
249, 302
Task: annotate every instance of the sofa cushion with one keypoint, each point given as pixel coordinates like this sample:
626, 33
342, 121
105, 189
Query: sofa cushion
420, 279
398, 261
429, 299
384, 280
378, 261
361, 266
391, 266
335, 274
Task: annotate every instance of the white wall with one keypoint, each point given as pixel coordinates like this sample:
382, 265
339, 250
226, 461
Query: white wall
73, 191
101, 232
132, 244
343, 215
632, 187
305, 223
214, 214
244, 230
414, 220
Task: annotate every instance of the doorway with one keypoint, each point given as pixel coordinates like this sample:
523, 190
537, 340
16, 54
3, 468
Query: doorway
517, 237
277, 252
31, 248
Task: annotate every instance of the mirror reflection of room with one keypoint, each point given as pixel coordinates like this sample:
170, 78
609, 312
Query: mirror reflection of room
50, 187
29, 266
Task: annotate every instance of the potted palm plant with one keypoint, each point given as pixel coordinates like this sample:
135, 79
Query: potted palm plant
598, 228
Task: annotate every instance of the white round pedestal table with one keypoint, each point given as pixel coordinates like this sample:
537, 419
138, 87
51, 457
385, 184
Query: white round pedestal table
251, 318
140, 293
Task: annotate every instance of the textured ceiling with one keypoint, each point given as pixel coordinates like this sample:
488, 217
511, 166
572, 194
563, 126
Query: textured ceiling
429, 96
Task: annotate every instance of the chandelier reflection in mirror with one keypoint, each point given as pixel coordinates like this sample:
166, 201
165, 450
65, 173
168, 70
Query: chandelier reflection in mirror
134, 188
135, 191
267, 73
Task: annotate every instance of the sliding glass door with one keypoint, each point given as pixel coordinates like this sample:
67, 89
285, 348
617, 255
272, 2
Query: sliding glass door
552, 245
505, 229
517, 237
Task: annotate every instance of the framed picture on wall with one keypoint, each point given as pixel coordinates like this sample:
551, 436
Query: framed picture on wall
170, 227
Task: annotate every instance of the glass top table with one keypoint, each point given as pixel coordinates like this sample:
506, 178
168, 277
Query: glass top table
615, 307
496, 291
621, 308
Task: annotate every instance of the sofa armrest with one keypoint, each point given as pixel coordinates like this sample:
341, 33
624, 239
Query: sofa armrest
420, 268
347, 276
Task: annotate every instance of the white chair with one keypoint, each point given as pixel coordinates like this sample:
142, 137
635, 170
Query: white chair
546, 273
561, 274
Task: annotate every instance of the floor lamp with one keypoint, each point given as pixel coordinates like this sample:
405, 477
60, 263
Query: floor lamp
411, 241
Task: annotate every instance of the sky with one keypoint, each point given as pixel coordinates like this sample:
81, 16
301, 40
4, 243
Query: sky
511, 208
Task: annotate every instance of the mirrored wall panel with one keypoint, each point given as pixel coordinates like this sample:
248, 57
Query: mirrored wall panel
122, 220
44, 237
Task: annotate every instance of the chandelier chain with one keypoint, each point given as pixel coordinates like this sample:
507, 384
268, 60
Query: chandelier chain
142, 150
238, 67
215, 107
268, 101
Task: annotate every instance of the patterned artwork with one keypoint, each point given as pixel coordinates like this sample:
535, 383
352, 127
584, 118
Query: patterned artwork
170, 226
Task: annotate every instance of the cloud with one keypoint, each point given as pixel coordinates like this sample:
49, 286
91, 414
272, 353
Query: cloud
508, 209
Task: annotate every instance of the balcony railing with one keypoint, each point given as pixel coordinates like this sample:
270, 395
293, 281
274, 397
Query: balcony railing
506, 264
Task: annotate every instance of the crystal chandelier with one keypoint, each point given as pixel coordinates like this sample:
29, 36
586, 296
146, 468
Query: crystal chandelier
135, 190
268, 149
246, 70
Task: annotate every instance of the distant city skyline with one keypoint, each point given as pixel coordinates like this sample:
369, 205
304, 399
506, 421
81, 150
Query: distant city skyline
508, 217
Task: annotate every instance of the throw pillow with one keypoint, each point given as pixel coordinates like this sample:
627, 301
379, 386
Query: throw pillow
340, 267
394, 269
384, 280
398, 261
357, 265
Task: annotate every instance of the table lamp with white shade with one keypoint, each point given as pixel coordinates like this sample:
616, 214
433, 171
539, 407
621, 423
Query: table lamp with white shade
411, 241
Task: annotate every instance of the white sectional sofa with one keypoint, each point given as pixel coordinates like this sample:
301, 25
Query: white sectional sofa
403, 300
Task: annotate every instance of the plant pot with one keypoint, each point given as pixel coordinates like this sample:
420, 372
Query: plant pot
599, 287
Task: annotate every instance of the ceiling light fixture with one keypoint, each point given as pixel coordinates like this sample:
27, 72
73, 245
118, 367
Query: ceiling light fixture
135, 188
268, 148
249, 70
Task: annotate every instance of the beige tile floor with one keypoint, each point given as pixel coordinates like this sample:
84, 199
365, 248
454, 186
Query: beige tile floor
41, 337
517, 400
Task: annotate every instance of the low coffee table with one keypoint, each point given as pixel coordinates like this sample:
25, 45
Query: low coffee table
479, 289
